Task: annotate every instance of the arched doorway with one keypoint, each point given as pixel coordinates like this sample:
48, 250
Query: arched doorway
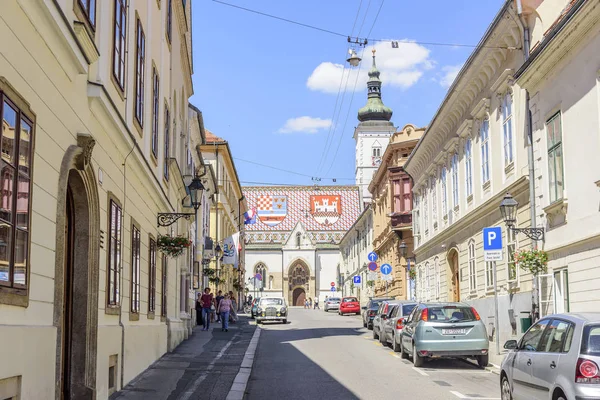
454, 275
298, 297
76, 274
298, 278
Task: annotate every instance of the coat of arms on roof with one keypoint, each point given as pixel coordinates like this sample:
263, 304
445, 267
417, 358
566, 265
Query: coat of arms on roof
271, 209
326, 210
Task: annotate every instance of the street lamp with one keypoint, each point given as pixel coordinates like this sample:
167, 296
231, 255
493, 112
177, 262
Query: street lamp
195, 188
508, 209
354, 59
403, 249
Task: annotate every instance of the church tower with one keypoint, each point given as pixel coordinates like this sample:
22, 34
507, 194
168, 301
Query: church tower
372, 134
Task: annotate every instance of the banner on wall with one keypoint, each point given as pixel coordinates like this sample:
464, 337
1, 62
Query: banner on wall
230, 250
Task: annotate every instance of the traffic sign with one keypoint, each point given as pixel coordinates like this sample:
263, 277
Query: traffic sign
373, 266
386, 269
492, 244
258, 276
332, 283
333, 288
372, 276
387, 277
356, 279
372, 256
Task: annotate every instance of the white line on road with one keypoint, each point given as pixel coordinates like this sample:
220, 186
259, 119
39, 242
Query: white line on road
421, 372
188, 393
240, 383
462, 396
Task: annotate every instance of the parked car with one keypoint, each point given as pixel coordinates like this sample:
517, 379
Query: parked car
271, 309
557, 358
444, 330
254, 307
349, 305
385, 307
394, 324
369, 311
332, 303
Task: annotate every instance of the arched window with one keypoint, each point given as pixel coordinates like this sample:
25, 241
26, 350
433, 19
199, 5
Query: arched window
298, 239
262, 270
271, 282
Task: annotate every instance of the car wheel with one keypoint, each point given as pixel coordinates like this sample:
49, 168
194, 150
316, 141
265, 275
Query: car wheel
284, 321
505, 388
364, 324
403, 353
482, 361
383, 339
375, 335
418, 361
395, 346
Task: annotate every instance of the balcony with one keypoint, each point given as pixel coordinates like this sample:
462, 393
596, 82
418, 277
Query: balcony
401, 220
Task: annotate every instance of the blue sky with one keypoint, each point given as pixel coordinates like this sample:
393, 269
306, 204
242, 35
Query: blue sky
269, 87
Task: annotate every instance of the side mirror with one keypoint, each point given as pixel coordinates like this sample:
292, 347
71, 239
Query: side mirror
511, 345
364, 308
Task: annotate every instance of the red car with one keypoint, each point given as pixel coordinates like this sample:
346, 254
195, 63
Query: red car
349, 305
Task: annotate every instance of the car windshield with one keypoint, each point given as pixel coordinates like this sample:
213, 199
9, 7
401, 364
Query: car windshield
407, 309
350, 300
450, 314
590, 344
277, 302
334, 299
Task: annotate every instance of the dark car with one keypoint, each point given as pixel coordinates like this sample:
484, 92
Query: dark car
370, 310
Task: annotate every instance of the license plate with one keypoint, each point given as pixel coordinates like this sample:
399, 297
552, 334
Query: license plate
454, 331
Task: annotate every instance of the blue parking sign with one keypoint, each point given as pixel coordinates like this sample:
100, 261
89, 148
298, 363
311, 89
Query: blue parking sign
492, 238
356, 279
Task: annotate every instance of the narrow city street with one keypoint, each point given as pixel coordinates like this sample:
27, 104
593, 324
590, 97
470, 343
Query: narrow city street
319, 355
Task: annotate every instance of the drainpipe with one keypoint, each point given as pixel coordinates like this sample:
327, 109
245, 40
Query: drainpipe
530, 160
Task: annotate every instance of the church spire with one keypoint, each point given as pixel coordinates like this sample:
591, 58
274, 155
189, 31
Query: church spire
375, 110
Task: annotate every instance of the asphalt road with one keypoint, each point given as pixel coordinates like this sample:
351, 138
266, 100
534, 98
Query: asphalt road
319, 355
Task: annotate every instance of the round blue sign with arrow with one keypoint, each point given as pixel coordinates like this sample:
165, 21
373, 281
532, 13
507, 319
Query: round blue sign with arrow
372, 266
386, 269
333, 288
372, 256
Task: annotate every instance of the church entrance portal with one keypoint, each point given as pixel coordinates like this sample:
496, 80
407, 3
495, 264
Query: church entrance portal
299, 278
299, 296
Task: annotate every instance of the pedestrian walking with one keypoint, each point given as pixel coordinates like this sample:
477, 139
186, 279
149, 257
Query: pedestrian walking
234, 307
218, 300
199, 309
224, 309
309, 303
316, 303
306, 303
208, 302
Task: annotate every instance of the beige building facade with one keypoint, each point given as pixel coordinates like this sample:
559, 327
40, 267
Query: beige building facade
94, 108
391, 190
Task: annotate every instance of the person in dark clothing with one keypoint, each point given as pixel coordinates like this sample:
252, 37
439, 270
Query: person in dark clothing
218, 300
207, 303
199, 309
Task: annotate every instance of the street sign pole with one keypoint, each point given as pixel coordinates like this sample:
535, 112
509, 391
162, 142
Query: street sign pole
386, 289
497, 333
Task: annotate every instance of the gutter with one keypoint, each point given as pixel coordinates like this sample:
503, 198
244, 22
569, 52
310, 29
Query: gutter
466, 66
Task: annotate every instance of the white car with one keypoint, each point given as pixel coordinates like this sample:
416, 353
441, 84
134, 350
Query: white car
332, 303
272, 309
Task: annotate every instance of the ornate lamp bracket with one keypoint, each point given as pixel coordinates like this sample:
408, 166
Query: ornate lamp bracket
167, 219
531, 233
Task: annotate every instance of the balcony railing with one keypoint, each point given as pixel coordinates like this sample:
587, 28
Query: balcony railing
401, 220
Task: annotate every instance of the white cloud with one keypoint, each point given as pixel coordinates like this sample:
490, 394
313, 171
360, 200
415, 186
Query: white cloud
305, 125
401, 67
450, 73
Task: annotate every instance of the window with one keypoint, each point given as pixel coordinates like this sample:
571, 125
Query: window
406, 194
89, 10
454, 163
152, 277
119, 40
561, 291
507, 128
298, 239
425, 212
140, 61
427, 286
555, 157
167, 139
556, 337
489, 275
434, 202
169, 19
114, 254
472, 268
511, 247
397, 195
376, 151
532, 338
443, 179
469, 167
135, 270
155, 111
484, 135
163, 287
17, 143
271, 282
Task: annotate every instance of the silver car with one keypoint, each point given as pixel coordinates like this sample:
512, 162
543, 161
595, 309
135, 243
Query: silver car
558, 358
385, 307
436, 330
332, 303
394, 324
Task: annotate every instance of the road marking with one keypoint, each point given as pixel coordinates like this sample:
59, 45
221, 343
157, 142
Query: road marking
420, 371
462, 396
241, 379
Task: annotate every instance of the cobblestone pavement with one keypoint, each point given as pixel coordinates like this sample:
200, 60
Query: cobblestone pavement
202, 367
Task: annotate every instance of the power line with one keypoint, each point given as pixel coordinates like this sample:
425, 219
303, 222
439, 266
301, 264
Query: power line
369, 39
376, 16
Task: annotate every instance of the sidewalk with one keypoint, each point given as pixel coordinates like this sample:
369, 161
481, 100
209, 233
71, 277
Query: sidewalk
202, 367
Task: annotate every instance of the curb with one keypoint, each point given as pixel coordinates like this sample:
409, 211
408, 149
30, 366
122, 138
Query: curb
238, 389
493, 368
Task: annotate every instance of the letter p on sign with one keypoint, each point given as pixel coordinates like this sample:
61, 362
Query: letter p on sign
492, 243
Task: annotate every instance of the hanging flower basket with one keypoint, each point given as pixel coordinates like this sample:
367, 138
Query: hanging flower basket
370, 283
412, 274
534, 261
172, 246
214, 279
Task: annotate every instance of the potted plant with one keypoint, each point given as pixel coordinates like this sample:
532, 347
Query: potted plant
172, 246
412, 274
534, 261
215, 279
